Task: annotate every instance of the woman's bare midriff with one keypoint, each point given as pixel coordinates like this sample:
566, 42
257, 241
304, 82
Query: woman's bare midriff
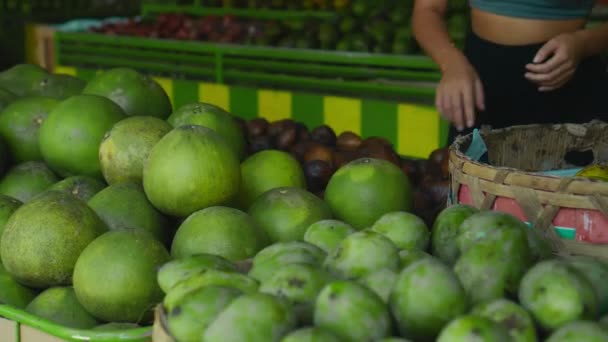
519, 31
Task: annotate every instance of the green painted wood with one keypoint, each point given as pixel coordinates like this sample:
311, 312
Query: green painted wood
184, 92
308, 109
244, 102
379, 118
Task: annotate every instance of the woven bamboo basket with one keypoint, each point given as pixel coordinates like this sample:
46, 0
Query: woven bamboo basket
511, 182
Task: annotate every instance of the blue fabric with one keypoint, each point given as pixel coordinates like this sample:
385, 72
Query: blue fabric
536, 9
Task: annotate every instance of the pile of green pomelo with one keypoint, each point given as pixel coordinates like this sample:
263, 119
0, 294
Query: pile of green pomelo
113, 204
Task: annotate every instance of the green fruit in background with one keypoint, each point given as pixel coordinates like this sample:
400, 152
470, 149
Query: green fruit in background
60, 305
227, 232
493, 267
381, 282
267, 170
71, 134
12, 293
252, 317
27, 180
43, 238
6, 97
124, 206
473, 328
511, 316
426, 297
285, 213
20, 125
59, 87
445, 232
127, 145
115, 276
327, 234
405, 230
363, 190
215, 118
136, 94
352, 311
116, 326
209, 277
556, 294
82, 187
8, 206
311, 334
596, 272
189, 320
266, 262
299, 284
604, 322
579, 331
189, 169
22, 78
180, 269
410, 256
361, 253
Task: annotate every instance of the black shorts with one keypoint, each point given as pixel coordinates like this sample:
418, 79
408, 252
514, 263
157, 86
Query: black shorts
510, 99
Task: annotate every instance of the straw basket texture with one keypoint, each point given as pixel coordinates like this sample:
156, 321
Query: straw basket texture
511, 182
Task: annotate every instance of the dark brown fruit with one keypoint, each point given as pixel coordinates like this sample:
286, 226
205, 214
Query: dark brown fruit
440, 158
379, 151
377, 141
261, 143
299, 150
287, 138
316, 151
303, 134
318, 173
257, 127
324, 135
349, 141
277, 127
342, 158
410, 168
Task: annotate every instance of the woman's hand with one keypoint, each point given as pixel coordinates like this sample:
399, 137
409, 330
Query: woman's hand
459, 92
556, 62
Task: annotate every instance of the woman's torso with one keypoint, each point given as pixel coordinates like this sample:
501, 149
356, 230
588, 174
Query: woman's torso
524, 22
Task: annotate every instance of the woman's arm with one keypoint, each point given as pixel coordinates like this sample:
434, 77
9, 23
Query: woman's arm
460, 89
594, 40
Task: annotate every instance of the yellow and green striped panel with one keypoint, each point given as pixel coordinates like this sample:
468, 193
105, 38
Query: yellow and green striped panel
414, 129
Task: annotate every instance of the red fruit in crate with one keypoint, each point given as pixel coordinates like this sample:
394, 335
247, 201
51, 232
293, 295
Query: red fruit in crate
228, 21
324, 135
318, 173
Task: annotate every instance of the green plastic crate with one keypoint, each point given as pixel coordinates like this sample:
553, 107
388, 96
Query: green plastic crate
20, 326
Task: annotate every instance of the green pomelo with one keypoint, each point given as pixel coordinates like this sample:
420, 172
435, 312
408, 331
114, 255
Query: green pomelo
71, 134
209, 277
393, 339
256, 317
136, 94
60, 305
115, 277
311, 334
327, 234
471, 328
362, 253
267, 170
285, 213
480, 225
116, 326
556, 294
26, 180
579, 331
127, 145
596, 272
20, 126
188, 321
363, 190
22, 78
511, 316
83, 187
43, 239
352, 311
8, 206
409, 256
405, 230
381, 282
299, 284
59, 86
445, 232
270, 258
493, 267
181, 269
6, 98
12, 293
189, 169
215, 118
426, 297
124, 206
223, 231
